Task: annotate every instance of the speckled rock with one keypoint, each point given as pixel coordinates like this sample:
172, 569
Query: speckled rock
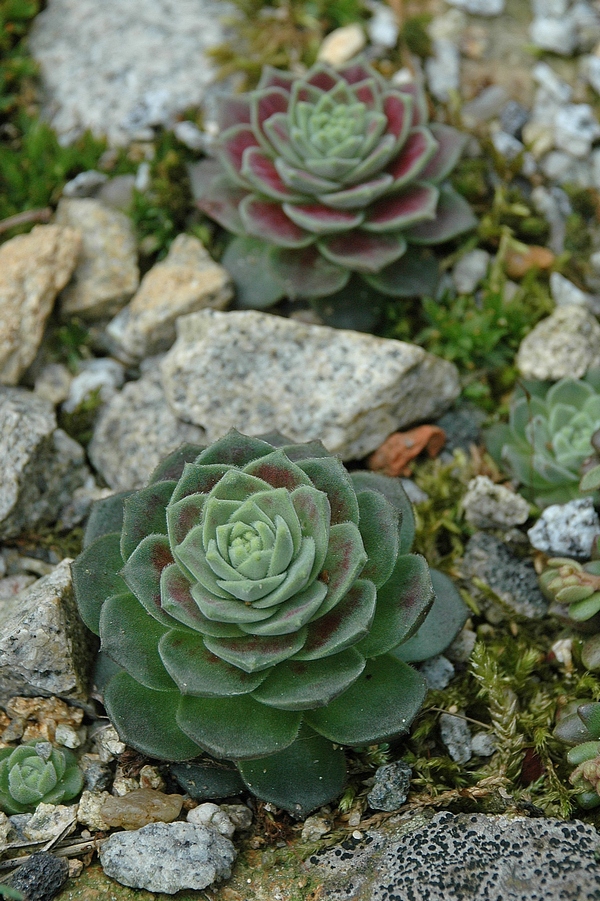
258, 372
33, 269
390, 789
567, 530
44, 647
567, 343
41, 877
490, 506
468, 856
41, 466
456, 735
511, 579
168, 857
187, 280
135, 431
107, 274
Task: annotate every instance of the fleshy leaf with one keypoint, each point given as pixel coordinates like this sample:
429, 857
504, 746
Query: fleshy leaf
144, 513
233, 109
380, 530
174, 463
397, 107
381, 704
135, 647
292, 614
177, 601
183, 516
414, 204
231, 147
328, 474
416, 152
234, 449
442, 624
221, 201
264, 104
415, 274
363, 252
322, 220
198, 478
402, 604
275, 78
302, 181
278, 471
308, 774
106, 516
142, 574
256, 286
453, 216
451, 144
199, 673
356, 306
145, 719
238, 727
360, 195
305, 273
256, 653
258, 168
96, 576
393, 491
267, 220
346, 557
314, 514
207, 779
342, 627
304, 685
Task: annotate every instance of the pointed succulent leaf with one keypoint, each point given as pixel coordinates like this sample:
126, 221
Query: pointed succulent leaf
445, 619
234, 449
453, 216
322, 220
259, 170
374, 162
415, 274
330, 476
275, 78
256, 286
144, 513
413, 204
381, 703
96, 576
363, 252
402, 604
397, 107
278, 471
416, 152
237, 727
589, 715
142, 574
344, 625
451, 144
379, 528
590, 653
309, 773
358, 196
199, 673
177, 601
233, 109
305, 273
174, 464
572, 392
292, 614
264, 104
196, 479
221, 201
305, 685
393, 491
231, 147
134, 648
267, 220
278, 130
344, 562
255, 653
106, 516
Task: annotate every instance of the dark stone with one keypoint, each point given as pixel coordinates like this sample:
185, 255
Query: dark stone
513, 117
462, 425
41, 877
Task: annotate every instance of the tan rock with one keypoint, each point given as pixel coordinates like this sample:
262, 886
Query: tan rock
33, 269
342, 44
107, 274
141, 807
186, 281
567, 343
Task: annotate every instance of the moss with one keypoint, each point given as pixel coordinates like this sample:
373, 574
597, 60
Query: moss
79, 424
415, 35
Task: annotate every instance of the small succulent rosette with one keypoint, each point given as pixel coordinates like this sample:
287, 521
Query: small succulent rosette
328, 175
256, 601
575, 590
548, 437
581, 727
36, 773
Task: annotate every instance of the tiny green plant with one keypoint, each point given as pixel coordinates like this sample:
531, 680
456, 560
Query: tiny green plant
261, 604
331, 180
581, 728
36, 773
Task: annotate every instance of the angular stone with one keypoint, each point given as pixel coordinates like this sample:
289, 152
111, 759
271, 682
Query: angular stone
567, 530
456, 735
480, 7
135, 431
187, 280
167, 857
141, 807
390, 789
33, 269
41, 466
490, 506
468, 856
566, 343
41, 876
107, 273
44, 647
49, 821
258, 372
470, 270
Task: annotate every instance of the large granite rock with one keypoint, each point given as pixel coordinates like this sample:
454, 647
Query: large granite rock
44, 647
107, 274
257, 372
135, 431
187, 280
40, 465
119, 68
33, 269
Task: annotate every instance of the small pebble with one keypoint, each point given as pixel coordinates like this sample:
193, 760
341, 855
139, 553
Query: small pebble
567, 530
314, 828
141, 807
483, 744
470, 270
390, 789
437, 672
490, 506
456, 735
341, 45
211, 815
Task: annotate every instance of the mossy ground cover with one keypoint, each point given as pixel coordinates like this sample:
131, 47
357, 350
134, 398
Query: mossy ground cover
512, 685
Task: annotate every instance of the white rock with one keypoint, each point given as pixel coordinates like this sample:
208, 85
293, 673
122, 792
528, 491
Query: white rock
575, 129
480, 7
553, 8
342, 44
565, 292
506, 145
443, 69
567, 343
85, 184
382, 27
101, 374
553, 85
49, 821
590, 67
483, 744
557, 35
257, 372
437, 672
470, 270
190, 135
456, 735
211, 815
53, 383
490, 506
566, 530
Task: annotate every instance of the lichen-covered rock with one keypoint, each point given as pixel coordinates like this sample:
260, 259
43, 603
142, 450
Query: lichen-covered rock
490, 506
107, 274
259, 373
135, 431
168, 857
469, 856
187, 280
565, 344
41, 466
33, 269
44, 647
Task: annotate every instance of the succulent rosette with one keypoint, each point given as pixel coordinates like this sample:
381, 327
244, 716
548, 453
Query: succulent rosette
580, 726
36, 773
254, 599
549, 437
329, 174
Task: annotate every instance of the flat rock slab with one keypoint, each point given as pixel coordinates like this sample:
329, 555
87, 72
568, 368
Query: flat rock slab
467, 857
257, 372
121, 68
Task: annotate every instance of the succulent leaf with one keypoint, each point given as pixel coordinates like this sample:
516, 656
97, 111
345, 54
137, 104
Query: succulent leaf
37, 773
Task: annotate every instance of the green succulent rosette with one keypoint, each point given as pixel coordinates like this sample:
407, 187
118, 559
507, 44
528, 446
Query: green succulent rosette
253, 599
580, 727
36, 773
331, 176
548, 437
